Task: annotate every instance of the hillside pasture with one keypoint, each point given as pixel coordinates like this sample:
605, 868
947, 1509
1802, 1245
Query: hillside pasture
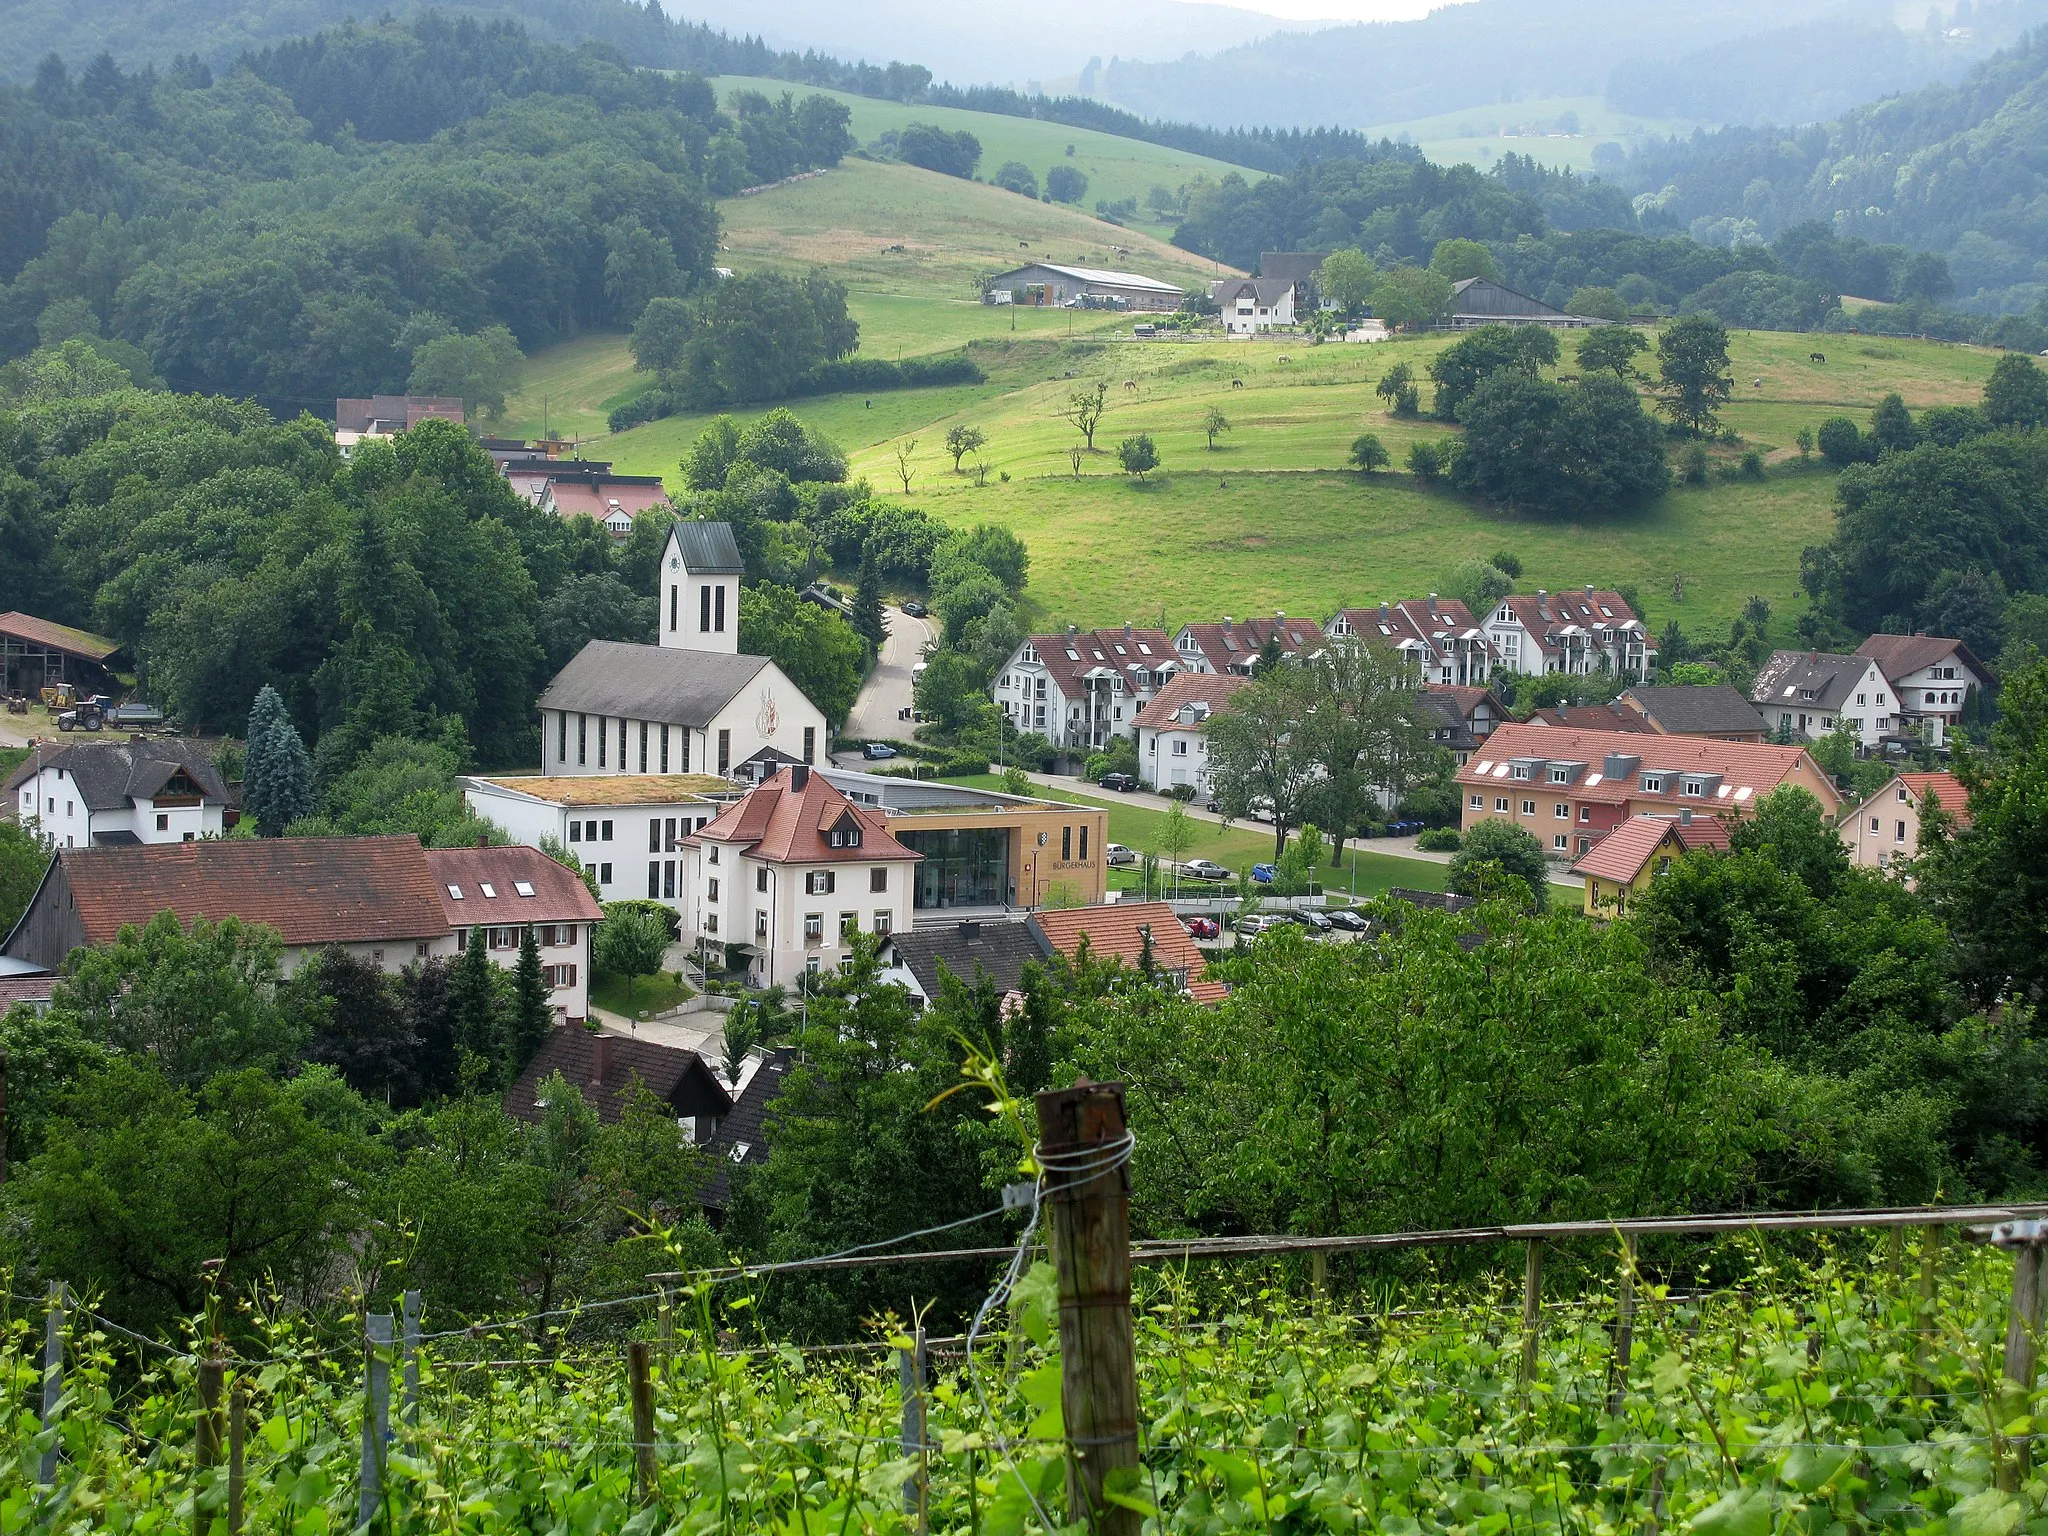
1116, 168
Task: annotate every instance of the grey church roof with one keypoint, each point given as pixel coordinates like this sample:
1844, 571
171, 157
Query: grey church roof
650, 682
709, 549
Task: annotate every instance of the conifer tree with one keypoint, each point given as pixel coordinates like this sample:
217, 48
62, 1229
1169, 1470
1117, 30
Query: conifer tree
533, 1014
277, 779
475, 1002
868, 621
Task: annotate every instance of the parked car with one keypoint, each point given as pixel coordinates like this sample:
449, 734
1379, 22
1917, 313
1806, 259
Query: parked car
1212, 805
916, 609
1346, 919
1117, 853
1121, 782
1202, 927
1204, 869
878, 751
1256, 923
1312, 919
1264, 874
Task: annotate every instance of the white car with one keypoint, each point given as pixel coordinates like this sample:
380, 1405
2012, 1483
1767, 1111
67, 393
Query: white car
1117, 853
1204, 869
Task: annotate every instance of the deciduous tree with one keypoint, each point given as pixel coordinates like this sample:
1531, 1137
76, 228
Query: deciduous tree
1693, 372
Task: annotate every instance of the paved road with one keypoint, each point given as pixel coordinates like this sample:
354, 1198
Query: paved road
887, 690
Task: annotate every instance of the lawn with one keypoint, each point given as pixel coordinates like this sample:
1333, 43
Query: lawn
1481, 135
1237, 847
1271, 519
1116, 168
649, 995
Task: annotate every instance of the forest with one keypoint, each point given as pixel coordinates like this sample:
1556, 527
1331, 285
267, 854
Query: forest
293, 232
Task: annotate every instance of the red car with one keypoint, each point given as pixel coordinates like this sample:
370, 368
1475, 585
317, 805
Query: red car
1202, 927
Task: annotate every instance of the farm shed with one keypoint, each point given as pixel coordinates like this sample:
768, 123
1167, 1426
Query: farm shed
1044, 285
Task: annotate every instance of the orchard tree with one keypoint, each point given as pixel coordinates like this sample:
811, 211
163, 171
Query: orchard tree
1369, 453
1138, 455
962, 440
1084, 409
1397, 388
1692, 366
1214, 423
1612, 349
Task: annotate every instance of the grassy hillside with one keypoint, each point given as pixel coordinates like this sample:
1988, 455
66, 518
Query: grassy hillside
1541, 128
1272, 520
1116, 168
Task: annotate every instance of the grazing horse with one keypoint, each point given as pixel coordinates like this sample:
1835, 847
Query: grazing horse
1816, 357
1237, 383
1756, 383
1284, 358
1130, 383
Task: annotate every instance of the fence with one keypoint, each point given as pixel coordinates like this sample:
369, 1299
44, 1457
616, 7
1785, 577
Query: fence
1082, 1200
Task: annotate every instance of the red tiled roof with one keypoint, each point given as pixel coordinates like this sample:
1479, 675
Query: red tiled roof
1238, 642
1946, 787
1113, 933
572, 500
1467, 699
1593, 717
1757, 766
58, 637
26, 989
787, 826
1208, 993
311, 890
1622, 853
559, 895
1900, 656
1211, 688
1413, 618
1111, 649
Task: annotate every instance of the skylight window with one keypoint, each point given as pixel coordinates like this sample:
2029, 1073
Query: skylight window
490, 893
523, 887
455, 892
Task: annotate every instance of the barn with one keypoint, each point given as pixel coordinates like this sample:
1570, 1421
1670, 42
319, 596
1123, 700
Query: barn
1044, 285
1481, 301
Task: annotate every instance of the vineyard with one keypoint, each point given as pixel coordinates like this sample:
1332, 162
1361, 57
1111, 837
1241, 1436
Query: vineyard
1816, 1383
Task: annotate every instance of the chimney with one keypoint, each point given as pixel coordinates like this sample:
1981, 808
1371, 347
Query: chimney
483, 840
601, 1064
1226, 623
1685, 815
1589, 589
799, 777
1127, 629
970, 929
1073, 629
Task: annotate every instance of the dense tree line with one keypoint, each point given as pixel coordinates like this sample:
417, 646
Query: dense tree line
470, 179
1941, 522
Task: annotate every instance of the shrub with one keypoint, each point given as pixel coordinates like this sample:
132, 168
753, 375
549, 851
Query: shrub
1752, 465
1368, 453
1841, 443
1426, 462
1181, 792
1695, 470
1439, 840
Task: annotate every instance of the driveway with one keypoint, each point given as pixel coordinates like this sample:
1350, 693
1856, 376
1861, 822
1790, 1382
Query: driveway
887, 691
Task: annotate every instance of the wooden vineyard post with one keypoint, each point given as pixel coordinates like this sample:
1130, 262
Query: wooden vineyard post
664, 1320
409, 1310
911, 1375
377, 1338
1923, 1314
640, 1383
1624, 1325
53, 1378
2022, 1338
1532, 1309
238, 1424
1084, 1148
206, 1437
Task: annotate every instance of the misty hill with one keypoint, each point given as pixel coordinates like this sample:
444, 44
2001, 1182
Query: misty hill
1951, 168
1723, 61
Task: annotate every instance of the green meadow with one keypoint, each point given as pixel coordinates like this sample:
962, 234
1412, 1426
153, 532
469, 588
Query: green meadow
1271, 518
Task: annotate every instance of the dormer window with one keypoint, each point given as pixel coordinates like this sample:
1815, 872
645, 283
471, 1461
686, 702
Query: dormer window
1653, 783
1692, 786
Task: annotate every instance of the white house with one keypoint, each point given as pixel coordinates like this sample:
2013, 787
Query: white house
1438, 635
1932, 679
505, 892
1576, 633
1251, 305
108, 793
627, 829
1173, 730
1083, 688
1806, 694
791, 874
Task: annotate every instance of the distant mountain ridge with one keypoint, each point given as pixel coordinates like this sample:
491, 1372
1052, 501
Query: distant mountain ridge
1728, 61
